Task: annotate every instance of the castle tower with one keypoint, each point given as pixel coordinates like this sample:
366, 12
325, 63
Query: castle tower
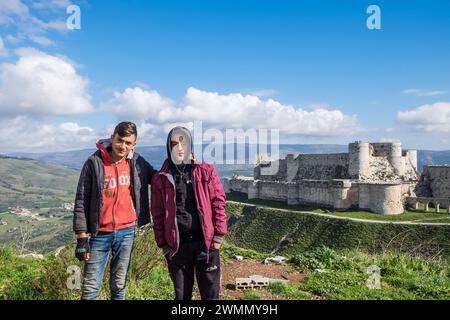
396, 159
359, 159
412, 156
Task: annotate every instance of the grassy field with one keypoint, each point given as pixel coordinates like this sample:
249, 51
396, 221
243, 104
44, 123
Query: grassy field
329, 274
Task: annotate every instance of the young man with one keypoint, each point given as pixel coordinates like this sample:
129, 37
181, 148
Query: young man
188, 210
112, 195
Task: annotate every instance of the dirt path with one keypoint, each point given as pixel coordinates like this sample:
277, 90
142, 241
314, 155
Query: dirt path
233, 269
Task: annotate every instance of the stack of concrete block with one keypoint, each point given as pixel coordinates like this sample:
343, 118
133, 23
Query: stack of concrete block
253, 281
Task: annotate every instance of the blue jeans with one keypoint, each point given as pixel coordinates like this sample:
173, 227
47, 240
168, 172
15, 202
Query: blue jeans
120, 243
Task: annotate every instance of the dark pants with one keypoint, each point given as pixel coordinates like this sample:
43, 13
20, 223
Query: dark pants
193, 256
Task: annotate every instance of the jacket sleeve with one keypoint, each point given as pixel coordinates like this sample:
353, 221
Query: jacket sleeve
218, 203
82, 199
151, 171
157, 211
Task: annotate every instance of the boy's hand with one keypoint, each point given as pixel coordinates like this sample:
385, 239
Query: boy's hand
82, 251
216, 245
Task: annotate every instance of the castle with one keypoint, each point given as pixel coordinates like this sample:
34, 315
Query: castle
379, 177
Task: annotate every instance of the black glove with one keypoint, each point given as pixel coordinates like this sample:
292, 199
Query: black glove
82, 248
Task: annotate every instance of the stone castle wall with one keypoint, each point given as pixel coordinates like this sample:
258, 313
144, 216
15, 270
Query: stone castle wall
434, 182
373, 176
309, 166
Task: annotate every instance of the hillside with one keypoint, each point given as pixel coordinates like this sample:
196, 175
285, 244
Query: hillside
292, 232
36, 202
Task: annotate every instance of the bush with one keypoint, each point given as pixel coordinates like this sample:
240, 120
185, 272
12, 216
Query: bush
346, 275
26, 278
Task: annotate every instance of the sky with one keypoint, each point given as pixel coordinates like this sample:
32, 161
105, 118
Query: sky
311, 69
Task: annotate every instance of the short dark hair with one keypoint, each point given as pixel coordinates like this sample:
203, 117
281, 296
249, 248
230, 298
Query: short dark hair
125, 129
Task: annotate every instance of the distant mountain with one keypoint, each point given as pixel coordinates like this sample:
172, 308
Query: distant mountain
427, 157
75, 159
156, 155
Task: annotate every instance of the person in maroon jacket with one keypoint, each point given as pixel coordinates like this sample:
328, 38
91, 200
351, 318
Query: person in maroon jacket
189, 220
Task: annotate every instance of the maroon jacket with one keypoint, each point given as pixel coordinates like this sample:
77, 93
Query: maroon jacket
210, 198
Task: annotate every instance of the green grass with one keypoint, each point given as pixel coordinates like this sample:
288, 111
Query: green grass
345, 275
251, 294
156, 286
408, 215
416, 216
26, 278
228, 251
289, 291
261, 229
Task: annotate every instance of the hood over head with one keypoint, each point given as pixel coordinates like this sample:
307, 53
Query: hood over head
182, 135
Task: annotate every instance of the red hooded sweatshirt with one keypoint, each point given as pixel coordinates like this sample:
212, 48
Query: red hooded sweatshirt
117, 210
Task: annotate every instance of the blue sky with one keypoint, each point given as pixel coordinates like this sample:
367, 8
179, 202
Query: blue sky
310, 68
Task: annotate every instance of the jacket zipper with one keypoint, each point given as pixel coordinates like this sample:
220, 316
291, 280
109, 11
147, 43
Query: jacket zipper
133, 196
116, 197
201, 215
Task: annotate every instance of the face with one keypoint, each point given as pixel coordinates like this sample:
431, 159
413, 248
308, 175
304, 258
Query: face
178, 148
121, 146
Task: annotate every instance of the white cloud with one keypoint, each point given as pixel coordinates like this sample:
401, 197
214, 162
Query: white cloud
42, 84
429, 117
424, 93
43, 41
3, 50
136, 103
31, 25
316, 106
12, 39
10, 9
51, 4
384, 140
247, 111
59, 25
231, 111
264, 93
30, 135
